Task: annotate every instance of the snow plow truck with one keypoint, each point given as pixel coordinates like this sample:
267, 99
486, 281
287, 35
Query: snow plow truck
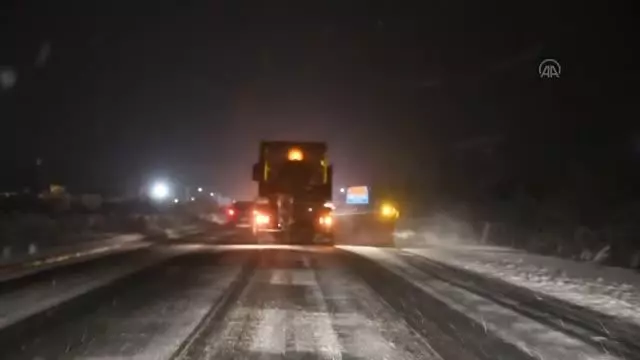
295, 187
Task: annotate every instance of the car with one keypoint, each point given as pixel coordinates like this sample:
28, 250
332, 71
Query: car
240, 214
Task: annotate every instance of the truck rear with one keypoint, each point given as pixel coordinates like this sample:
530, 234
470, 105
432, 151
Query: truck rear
294, 185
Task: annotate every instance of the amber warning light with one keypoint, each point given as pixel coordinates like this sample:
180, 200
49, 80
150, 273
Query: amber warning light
295, 154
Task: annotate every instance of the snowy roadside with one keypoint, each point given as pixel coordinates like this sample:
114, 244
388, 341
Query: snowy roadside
35, 254
17, 265
68, 254
529, 335
183, 232
612, 291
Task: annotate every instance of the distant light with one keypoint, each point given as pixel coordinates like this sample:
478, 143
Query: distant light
326, 221
310, 209
342, 190
199, 189
159, 191
211, 194
389, 211
8, 78
193, 199
176, 200
329, 205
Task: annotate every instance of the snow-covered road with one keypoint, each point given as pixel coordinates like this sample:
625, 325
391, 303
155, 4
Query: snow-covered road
271, 302
304, 304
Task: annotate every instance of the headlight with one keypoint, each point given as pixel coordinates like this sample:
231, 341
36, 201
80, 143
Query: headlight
326, 220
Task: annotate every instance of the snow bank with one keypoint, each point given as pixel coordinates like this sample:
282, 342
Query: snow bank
612, 244
613, 291
532, 337
33, 236
441, 229
28, 264
21, 304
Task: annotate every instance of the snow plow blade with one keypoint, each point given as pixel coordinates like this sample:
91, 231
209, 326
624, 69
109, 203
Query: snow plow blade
367, 229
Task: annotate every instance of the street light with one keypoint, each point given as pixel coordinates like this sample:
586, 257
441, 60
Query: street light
199, 189
176, 200
159, 191
211, 194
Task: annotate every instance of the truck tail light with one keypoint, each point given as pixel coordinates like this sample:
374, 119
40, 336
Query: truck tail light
261, 219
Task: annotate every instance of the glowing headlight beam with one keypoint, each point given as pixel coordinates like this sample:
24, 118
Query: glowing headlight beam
389, 211
326, 220
262, 219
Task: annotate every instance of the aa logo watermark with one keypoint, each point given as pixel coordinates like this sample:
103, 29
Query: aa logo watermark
549, 69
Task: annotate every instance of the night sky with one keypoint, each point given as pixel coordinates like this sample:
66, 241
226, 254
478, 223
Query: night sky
110, 94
